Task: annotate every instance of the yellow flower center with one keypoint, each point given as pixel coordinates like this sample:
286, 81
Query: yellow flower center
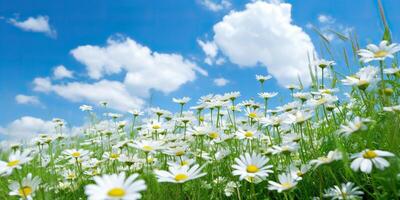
380, 54
286, 185
76, 154
249, 134
181, 177
25, 191
213, 135
156, 126
370, 154
114, 156
299, 174
253, 115
183, 163
252, 169
116, 192
147, 148
71, 176
363, 84
180, 153
13, 163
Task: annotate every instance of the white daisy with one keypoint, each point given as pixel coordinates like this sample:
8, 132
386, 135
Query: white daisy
286, 182
147, 145
366, 77
332, 156
380, 52
353, 126
15, 161
115, 187
346, 191
25, 190
179, 174
247, 133
252, 167
365, 160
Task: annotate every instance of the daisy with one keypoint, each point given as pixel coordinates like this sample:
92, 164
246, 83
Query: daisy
115, 187
346, 191
267, 95
247, 133
289, 147
353, 126
25, 190
381, 52
179, 174
253, 167
365, 160
262, 78
15, 161
332, 156
147, 145
298, 173
366, 77
181, 101
286, 182
76, 154
324, 63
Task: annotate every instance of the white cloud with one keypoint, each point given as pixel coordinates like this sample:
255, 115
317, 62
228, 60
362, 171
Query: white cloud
25, 99
38, 24
26, 127
221, 82
263, 33
61, 72
325, 19
145, 69
216, 5
114, 92
210, 49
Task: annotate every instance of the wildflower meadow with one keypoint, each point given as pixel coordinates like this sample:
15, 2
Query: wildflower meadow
336, 139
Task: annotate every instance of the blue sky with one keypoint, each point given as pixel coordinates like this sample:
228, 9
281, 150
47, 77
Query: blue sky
164, 26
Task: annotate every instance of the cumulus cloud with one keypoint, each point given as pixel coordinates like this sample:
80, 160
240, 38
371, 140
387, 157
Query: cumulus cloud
114, 92
216, 5
210, 49
145, 69
263, 33
26, 127
221, 81
142, 69
61, 72
39, 24
25, 99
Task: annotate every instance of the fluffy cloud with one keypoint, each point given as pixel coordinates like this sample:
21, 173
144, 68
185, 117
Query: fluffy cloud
210, 49
25, 99
216, 5
61, 72
325, 19
263, 33
221, 81
142, 69
38, 24
145, 69
114, 92
26, 127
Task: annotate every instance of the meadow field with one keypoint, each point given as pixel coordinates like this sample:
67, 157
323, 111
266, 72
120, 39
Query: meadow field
337, 139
